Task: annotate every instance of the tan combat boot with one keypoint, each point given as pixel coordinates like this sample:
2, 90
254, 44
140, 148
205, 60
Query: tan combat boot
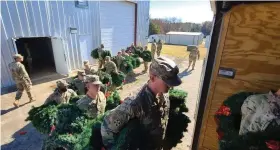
16, 103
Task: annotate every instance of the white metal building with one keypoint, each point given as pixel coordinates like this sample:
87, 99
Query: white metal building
184, 38
61, 34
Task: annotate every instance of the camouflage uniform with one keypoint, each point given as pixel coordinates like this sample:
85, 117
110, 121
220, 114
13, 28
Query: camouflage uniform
89, 69
159, 47
151, 110
93, 106
61, 97
110, 66
145, 63
100, 60
21, 78
153, 49
119, 60
259, 111
124, 54
194, 55
79, 84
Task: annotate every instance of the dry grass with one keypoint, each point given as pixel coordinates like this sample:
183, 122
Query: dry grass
180, 51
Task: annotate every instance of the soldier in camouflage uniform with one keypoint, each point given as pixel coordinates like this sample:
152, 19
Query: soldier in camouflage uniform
61, 94
150, 106
145, 63
79, 83
110, 66
194, 55
119, 60
100, 59
21, 78
124, 54
88, 69
159, 47
94, 102
132, 48
153, 49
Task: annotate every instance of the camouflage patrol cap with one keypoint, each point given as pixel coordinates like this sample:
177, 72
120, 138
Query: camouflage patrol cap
17, 56
86, 62
107, 58
167, 70
94, 79
61, 84
81, 73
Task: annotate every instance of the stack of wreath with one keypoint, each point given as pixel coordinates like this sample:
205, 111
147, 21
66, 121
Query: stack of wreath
228, 119
94, 54
70, 128
67, 126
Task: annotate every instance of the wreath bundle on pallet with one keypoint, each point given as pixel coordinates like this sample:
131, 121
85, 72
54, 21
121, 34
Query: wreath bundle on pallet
228, 119
68, 126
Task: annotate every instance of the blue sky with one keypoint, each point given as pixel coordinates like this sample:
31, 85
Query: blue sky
188, 11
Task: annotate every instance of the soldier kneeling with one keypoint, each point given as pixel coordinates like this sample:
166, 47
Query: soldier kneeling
61, 94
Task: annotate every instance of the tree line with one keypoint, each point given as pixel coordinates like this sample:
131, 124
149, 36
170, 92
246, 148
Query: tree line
162, 26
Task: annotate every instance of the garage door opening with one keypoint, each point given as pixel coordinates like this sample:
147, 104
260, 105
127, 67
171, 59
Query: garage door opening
38, 56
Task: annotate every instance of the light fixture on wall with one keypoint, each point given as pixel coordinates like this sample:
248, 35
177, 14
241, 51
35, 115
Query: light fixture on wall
73, 30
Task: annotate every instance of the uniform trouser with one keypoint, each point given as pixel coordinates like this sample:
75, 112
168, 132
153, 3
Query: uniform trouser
153, 54
21, 87
192, 61
158, 52
145, 66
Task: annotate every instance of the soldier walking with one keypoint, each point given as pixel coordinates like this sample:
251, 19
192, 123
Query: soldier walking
94, 102
110, 66
61, 94
150, 106
194, 55
100, 59
79, 83
159, 47
153, 49
88, 69
119, 60
21, 78
145, 63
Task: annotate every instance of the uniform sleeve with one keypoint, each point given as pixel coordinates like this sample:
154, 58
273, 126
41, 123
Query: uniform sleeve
49, 99
73, 93
198, 54
116, 119
23, 72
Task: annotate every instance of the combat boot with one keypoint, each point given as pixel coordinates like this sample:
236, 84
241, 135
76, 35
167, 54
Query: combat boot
16, 103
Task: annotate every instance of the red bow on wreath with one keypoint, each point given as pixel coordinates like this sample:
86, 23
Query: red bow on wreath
223, 110
220, 134
273, 145
107, 94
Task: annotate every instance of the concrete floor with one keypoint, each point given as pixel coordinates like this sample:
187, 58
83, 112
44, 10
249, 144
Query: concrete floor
13, 123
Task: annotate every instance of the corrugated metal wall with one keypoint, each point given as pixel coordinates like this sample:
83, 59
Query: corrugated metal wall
44, 19
143, 8
54, 18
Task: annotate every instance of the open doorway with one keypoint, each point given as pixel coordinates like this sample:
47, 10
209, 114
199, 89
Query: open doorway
38, 56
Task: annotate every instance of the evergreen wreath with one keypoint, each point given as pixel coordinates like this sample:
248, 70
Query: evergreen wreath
94, 54
228, 119
118, 78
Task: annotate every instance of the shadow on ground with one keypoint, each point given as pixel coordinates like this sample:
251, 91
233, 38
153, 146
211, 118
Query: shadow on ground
27, 138
186, 72
132, 77
3, 112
